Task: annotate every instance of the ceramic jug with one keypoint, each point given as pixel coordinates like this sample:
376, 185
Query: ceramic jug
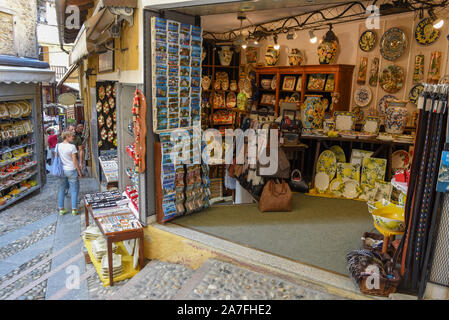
327, 51
225, 55
205, 83
271, 56
312, 112
295, 57
395, 116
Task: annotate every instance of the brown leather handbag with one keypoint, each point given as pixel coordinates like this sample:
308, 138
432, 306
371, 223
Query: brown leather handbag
276, 197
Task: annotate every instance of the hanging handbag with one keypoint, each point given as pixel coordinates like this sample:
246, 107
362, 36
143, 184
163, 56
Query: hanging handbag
56, 168
276, 197
297, 182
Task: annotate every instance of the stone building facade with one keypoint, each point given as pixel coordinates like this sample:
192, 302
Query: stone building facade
18, 28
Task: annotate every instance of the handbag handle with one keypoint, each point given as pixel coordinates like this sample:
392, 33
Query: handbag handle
283, 191
296, 171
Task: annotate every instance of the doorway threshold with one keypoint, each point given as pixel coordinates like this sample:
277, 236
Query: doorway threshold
335, 283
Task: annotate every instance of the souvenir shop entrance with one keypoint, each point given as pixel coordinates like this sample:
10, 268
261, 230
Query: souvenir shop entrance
347, 132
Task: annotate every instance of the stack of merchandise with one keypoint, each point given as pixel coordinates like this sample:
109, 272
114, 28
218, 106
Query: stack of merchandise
91, 233
100, 248
117, 267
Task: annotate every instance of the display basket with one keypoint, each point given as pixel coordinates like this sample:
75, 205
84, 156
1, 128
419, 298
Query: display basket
386, 286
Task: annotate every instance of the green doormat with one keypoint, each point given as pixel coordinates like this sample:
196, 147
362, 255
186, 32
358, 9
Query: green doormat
318, 232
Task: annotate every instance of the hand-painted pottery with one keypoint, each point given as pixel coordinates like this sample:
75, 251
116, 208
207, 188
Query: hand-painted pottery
241, 101
363, 67
251, 54
425, 33
327, 51
415, 91
205, 83
321, 182
312, 112
418, 72
295, 57
362, 96
233, 85
266, 83
328, 125
393, 44
358, 114
396, 116
383, 103
225, 55
433, 75
339, 152
392, 78
368, 40
271, 56
327, 162
374, 73
373, 169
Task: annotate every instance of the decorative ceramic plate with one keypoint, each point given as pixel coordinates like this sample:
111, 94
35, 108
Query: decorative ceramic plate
339, 153
104, 134
400, 159
357, 156
383, 101
383, 191
348, 171
106, 108
335, 187
247, 86
425, 33
373, 169
362, 96
109, 121
110, 135
344, 120
219, 100
321, 182
14, 110
358, 114
393, 44
231, 100
111, 103
371, 125
100, 120
350, 189
99, 106
101, 92
414, 93
368, 40
108, 90
327, 162
392, 78
273, 83
26, 107
368, 192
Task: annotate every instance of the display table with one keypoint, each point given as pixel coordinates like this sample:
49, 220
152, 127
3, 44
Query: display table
135, 233
388, 144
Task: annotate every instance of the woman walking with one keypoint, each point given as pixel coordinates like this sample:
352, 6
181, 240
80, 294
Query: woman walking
67, 152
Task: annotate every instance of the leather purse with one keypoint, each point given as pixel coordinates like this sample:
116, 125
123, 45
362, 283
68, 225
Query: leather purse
276, 197
297, 182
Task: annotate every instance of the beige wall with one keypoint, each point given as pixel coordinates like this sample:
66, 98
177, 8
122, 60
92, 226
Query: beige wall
23, 33
350, 53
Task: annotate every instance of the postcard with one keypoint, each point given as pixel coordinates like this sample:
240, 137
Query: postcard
161, 58
161, 36
173, 26
173, 123
173, 37
185, 102
196, 52
162, 123
184, 61
185, 82
160, 23
162, 112
184, 122
173, 60
196, 72
184, 71
196, 62
195, 82
173, 49
161, 69
173, 81
161, 102
196, 42
184, 92
184, 39
196, 31
161, 81
161, 46
185, 51
185, 28
161, 91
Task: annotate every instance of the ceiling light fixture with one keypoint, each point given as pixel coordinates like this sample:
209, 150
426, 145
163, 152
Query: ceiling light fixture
244, 45
437, 23
276, 45
312, 36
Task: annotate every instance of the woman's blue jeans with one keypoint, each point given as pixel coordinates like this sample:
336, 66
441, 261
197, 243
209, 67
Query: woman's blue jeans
70, 181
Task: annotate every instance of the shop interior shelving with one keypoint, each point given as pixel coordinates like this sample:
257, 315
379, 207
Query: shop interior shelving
342, 83
10, 177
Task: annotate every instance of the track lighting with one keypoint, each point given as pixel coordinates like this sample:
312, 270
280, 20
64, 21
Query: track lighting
437, 23
312, 36
244, 45
276, 45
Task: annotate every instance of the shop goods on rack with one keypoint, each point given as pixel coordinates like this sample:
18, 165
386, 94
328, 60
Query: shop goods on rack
100, 248
133, 196
119, 223
92, 232
117, 267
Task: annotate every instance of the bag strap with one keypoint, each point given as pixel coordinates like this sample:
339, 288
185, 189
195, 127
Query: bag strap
283, 191
296, 171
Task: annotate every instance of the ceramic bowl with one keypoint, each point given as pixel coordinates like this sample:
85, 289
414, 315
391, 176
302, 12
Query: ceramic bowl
266, 84
390, 218
389, 224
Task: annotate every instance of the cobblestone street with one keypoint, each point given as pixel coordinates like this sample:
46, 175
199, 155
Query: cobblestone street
37, 245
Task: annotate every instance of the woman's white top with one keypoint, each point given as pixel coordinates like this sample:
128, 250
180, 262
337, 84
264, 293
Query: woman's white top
65, 151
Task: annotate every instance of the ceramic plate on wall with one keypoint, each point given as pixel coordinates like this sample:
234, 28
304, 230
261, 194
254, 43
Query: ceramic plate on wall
362, 96
368, 40
339, 153
373, 169
335, 187
327, 162
392, 78
400, 159
321, 182
414, 93
425, 33
393, 44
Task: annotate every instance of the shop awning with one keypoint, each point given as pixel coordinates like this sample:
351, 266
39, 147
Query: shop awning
67, 74
74, 86
24, 70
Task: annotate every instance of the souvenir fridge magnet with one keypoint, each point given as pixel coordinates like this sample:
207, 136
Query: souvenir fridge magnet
433, 76
361, 78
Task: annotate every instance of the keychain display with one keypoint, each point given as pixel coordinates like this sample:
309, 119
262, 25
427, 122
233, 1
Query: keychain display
106, 121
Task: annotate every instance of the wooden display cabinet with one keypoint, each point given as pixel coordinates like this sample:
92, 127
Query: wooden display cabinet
341, 73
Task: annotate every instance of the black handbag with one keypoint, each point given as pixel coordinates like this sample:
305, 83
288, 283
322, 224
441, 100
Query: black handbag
297, 182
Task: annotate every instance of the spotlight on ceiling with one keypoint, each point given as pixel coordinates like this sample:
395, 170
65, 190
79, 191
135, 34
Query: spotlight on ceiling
276, 45
312, 37
437, 22
291, 35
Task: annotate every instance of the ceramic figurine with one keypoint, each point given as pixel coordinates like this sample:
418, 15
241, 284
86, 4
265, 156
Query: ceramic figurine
271, 56
312, 112
295, 57
225, 55
233, 85
396, 116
